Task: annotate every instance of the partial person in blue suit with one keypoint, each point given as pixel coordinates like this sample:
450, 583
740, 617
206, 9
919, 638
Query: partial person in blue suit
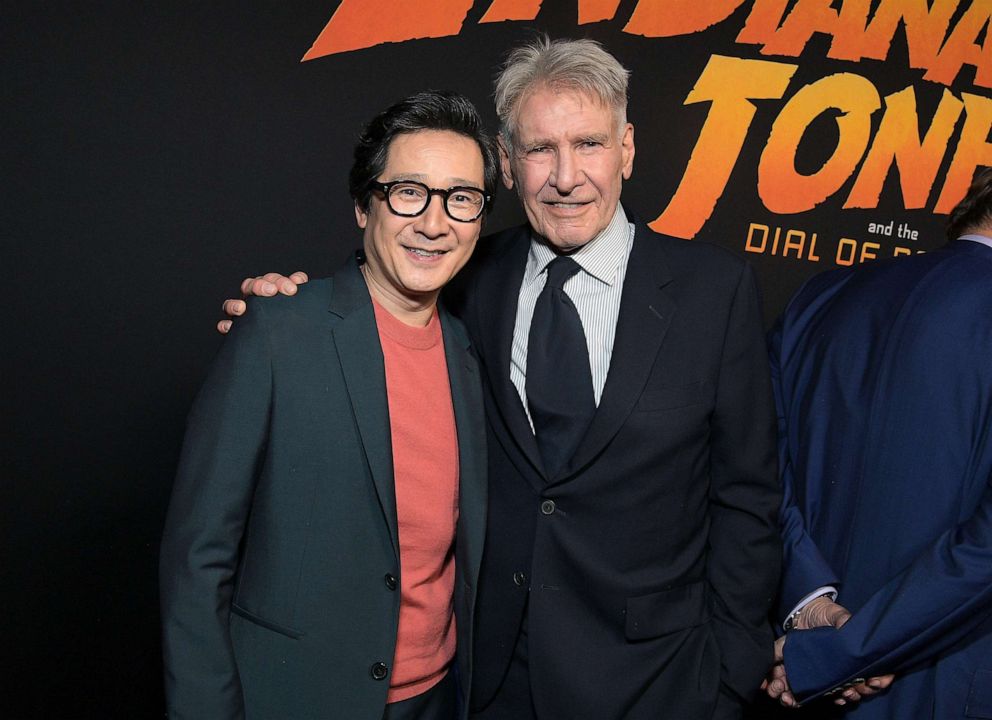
883, 379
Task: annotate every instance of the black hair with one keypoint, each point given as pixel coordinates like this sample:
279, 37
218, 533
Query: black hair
429, 110
975, 209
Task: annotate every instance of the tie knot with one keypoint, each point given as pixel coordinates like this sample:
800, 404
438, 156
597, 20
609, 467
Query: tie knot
561, 269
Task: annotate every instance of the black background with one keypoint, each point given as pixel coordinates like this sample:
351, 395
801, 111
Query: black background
157, 153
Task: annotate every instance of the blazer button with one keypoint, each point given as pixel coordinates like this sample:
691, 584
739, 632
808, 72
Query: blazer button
547, 507
379, 671
519, 579
390, 581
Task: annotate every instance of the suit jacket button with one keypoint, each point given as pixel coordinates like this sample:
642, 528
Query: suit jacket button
547, 507
390, 581
379, 671
519, 579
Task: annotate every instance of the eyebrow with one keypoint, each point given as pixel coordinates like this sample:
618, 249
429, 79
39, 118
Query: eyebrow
535, 142
542, 142
420, 177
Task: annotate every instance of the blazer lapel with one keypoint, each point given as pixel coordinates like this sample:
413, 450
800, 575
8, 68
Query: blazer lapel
356, 339
646, 310
466, 398
497, 302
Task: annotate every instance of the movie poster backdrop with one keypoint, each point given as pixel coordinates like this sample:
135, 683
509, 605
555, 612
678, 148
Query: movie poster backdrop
156, 153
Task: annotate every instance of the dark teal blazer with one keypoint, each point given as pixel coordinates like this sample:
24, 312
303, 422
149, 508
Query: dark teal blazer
280, 546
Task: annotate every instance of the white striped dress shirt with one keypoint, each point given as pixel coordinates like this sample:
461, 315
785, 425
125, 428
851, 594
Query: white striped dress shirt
595, 291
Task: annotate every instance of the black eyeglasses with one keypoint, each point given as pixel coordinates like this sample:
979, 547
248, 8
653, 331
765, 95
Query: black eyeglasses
409, 198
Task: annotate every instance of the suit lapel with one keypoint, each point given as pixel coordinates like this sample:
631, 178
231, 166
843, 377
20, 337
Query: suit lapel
466, 399
356, 339
497, 299
646, 311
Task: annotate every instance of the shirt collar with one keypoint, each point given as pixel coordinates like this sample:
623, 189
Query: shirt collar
976, 237
601, 257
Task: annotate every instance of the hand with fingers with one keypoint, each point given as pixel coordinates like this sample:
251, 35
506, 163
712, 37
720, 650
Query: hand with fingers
859, 688
265, 285
776, 684
820, 612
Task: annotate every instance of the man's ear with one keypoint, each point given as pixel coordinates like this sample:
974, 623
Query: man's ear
361, 216
627, 150
504, 163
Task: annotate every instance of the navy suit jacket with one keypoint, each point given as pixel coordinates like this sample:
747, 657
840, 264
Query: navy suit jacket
883, 378
651, 575
282, 527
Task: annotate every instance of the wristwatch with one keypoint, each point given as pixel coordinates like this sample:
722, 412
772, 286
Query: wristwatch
790, 622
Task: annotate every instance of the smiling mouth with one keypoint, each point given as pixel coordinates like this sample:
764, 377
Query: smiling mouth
565, 205
420, 252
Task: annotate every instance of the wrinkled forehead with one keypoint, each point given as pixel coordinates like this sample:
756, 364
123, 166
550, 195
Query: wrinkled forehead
555, 107
567, 93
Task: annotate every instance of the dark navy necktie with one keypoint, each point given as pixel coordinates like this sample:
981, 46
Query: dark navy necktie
559, 383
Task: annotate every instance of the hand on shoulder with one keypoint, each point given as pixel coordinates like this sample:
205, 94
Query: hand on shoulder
265, 285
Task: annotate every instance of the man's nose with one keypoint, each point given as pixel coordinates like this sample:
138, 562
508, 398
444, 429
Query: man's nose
566, 173
433, 221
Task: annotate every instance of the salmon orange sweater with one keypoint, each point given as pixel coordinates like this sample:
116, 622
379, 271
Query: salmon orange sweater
425, 474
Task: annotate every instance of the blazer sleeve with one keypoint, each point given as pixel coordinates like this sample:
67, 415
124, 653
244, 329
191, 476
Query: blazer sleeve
211, 499
804, 568
744, 497
933, 604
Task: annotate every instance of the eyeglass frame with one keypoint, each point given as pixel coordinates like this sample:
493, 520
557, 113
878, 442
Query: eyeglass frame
384, 188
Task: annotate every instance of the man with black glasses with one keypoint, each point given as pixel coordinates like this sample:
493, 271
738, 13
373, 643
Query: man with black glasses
325, 533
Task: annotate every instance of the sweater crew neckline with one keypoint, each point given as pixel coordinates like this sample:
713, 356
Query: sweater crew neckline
409, 336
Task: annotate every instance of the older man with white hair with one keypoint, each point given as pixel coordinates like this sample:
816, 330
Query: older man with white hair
632, 547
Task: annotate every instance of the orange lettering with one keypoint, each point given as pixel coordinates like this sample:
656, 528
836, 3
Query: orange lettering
868, 251
762, 21
591, 11
794, 240
750, 246
974, 150
851, 21
729, 84
502, 10
846, 251
781, 188
898, 140
667, 18
806, 18
961, 48
350, 28
855, 37
925, 26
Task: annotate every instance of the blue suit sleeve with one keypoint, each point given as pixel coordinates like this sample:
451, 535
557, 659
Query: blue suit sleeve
935, 602
803, 567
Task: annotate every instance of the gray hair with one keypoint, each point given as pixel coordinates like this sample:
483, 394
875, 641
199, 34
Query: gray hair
577, 65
